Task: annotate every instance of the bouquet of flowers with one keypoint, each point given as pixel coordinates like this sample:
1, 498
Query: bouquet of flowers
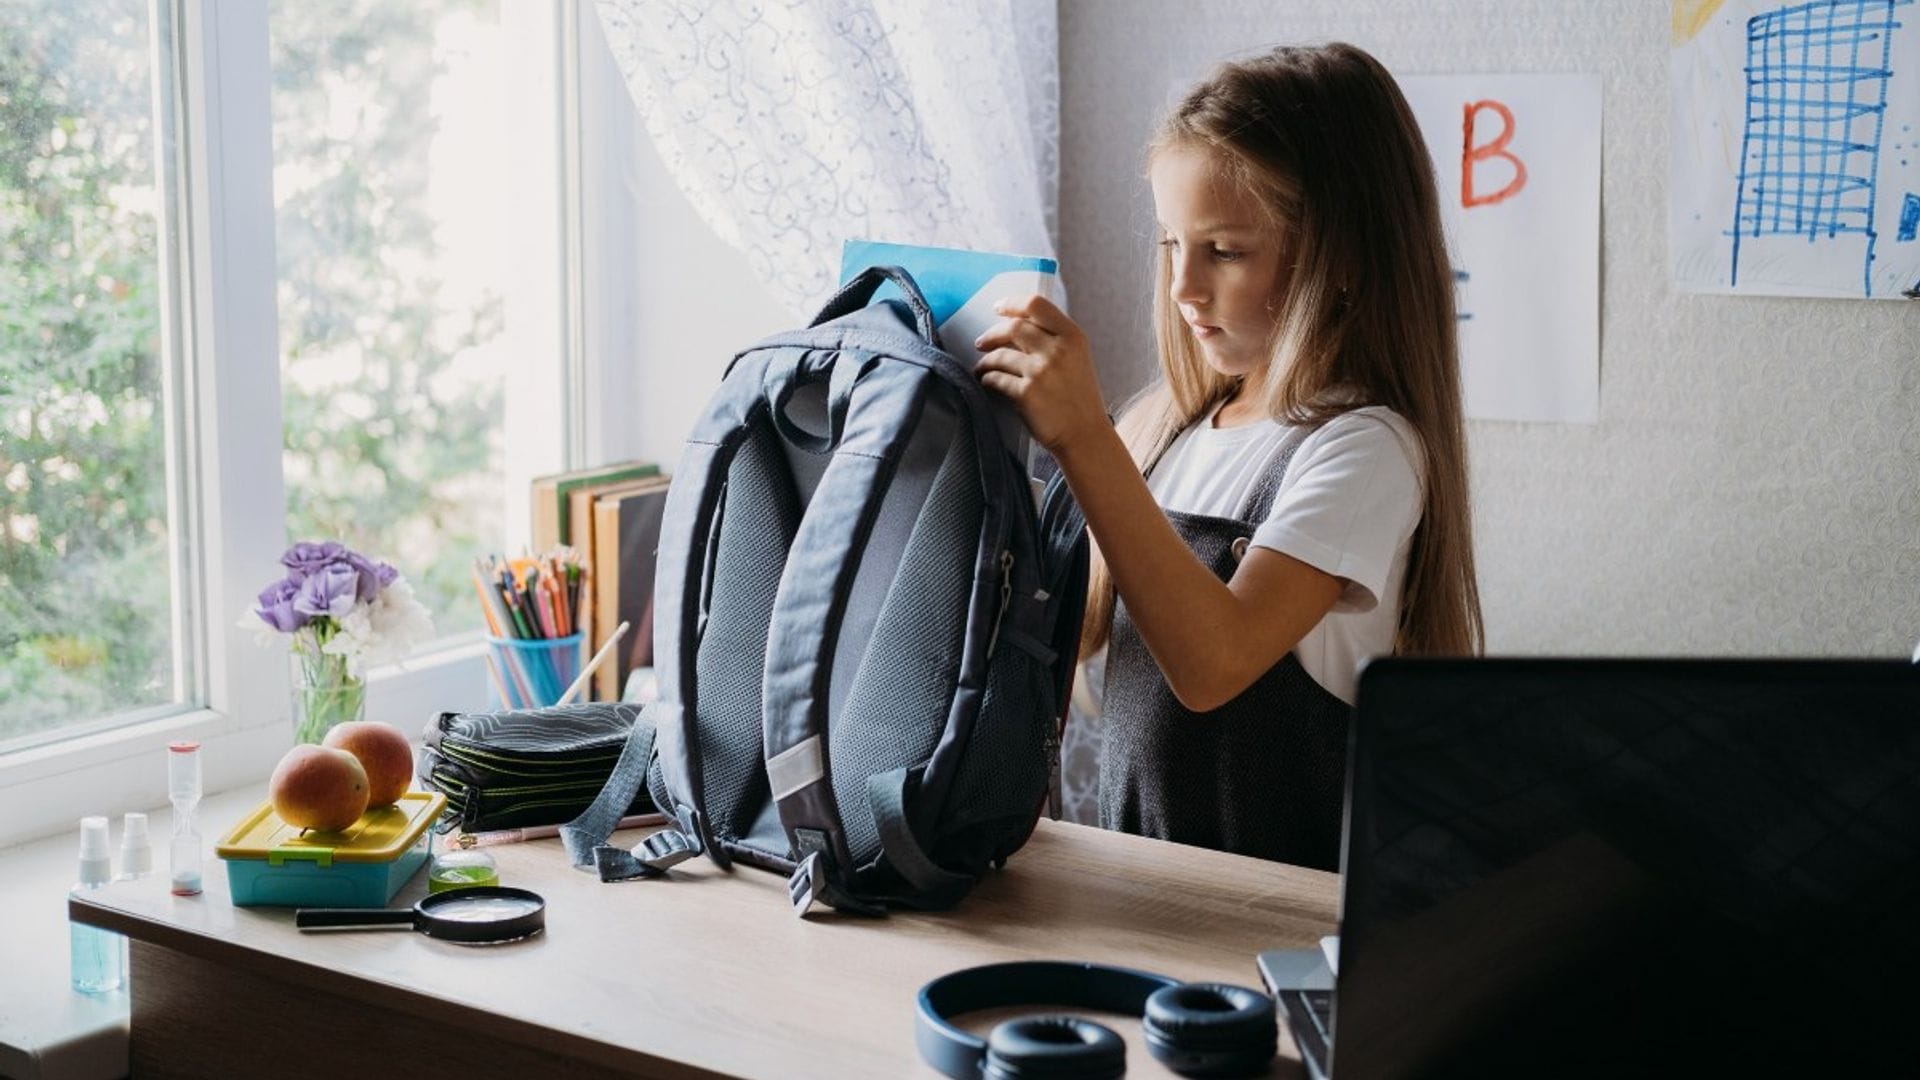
347, 614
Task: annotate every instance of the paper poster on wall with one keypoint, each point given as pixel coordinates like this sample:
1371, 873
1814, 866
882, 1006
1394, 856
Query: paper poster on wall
1517, 158
1795, 147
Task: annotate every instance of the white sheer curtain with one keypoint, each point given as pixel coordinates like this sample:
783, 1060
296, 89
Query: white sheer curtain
794, 125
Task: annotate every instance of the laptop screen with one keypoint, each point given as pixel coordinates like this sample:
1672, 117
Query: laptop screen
1611, 867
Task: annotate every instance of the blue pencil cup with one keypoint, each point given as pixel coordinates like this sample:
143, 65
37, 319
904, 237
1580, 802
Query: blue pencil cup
531, 673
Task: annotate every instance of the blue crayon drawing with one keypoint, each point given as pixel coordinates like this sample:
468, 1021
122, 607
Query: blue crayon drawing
1909, 218
1817, 77
1460, 278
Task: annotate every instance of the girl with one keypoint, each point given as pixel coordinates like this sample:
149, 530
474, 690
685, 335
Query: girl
1291, 497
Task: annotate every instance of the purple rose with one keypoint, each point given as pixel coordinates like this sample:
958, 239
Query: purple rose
330, 590
374, 576
276, 607
306, 558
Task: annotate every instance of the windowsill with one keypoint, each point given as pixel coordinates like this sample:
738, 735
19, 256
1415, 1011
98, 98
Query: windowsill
48, 1031
112, 744
43, 789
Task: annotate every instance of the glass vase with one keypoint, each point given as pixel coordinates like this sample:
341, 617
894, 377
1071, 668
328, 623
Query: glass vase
325, 693
316, 709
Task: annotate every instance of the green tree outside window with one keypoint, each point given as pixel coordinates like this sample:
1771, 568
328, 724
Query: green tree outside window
391, 399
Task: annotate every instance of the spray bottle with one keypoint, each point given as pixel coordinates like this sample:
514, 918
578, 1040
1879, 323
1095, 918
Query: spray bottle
98, 955
136, 853
136, 862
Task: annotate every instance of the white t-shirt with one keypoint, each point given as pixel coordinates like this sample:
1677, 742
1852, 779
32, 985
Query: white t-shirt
1347, 506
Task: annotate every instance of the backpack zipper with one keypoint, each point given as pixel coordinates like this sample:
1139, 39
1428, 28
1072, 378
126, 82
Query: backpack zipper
1006, 597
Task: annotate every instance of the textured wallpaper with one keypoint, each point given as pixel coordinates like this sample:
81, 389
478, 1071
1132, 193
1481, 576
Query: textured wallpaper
1753, 485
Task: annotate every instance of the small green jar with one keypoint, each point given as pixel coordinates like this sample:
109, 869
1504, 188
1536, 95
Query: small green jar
461, 869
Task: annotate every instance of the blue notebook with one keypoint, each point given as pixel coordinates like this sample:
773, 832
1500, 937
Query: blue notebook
961, 287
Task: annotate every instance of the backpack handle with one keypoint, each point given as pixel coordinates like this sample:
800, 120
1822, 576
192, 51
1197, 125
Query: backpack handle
855, 294
787, 373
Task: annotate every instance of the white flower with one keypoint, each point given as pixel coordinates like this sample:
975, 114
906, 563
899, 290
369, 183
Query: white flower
382, 631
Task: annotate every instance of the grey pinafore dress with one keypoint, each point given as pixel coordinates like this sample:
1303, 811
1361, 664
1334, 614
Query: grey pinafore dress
1262, 775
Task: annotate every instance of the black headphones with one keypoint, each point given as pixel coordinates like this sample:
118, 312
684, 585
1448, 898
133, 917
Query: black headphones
1195, 1029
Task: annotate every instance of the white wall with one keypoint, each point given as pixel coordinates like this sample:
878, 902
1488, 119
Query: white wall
1753, 486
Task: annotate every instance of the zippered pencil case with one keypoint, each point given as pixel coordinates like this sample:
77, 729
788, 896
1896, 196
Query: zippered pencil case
520, 767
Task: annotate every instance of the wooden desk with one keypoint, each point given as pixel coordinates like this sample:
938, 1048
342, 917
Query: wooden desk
710, 974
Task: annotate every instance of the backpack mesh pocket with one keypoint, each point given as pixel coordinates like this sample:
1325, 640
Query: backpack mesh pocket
1003, 775
897, 708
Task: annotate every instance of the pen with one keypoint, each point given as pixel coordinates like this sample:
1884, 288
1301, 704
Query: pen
541, 832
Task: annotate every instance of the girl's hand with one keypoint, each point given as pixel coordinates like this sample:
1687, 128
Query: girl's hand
1038, 357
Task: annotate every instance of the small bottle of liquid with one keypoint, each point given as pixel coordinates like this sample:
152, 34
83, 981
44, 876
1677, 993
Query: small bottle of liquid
136, 853
98, 955
183, 790
461, 868
136, 862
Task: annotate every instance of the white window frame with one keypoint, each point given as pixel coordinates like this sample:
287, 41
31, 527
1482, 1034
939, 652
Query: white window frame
223, 397
605, 284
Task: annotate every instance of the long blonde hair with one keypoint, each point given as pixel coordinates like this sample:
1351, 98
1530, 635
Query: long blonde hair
1323, 138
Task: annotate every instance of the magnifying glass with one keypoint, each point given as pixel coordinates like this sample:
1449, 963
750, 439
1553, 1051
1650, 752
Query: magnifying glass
482, 915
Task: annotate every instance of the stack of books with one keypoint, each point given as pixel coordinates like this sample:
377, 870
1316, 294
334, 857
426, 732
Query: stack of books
610, 515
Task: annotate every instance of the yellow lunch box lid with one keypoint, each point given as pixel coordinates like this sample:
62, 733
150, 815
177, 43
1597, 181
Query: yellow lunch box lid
381, 835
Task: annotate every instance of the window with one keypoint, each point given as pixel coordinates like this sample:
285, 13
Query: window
88, 607
273, 271
390, 169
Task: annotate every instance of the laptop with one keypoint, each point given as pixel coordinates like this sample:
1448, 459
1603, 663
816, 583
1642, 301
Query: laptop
1576, 868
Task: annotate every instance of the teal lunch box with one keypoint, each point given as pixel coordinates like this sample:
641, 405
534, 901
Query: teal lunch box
270, 862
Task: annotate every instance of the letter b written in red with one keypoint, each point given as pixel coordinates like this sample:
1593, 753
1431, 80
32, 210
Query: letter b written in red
1470, 154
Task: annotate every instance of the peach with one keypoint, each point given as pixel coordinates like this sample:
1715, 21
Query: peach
318, 787
383, 751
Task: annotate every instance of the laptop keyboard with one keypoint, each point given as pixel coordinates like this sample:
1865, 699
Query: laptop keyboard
1310, 1018
1320, 1007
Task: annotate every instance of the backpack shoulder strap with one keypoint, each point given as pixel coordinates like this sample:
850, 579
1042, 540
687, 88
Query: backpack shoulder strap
802, 642
688, 528
586, 836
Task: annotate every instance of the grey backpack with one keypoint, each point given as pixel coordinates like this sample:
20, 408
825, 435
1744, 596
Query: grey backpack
864, 632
